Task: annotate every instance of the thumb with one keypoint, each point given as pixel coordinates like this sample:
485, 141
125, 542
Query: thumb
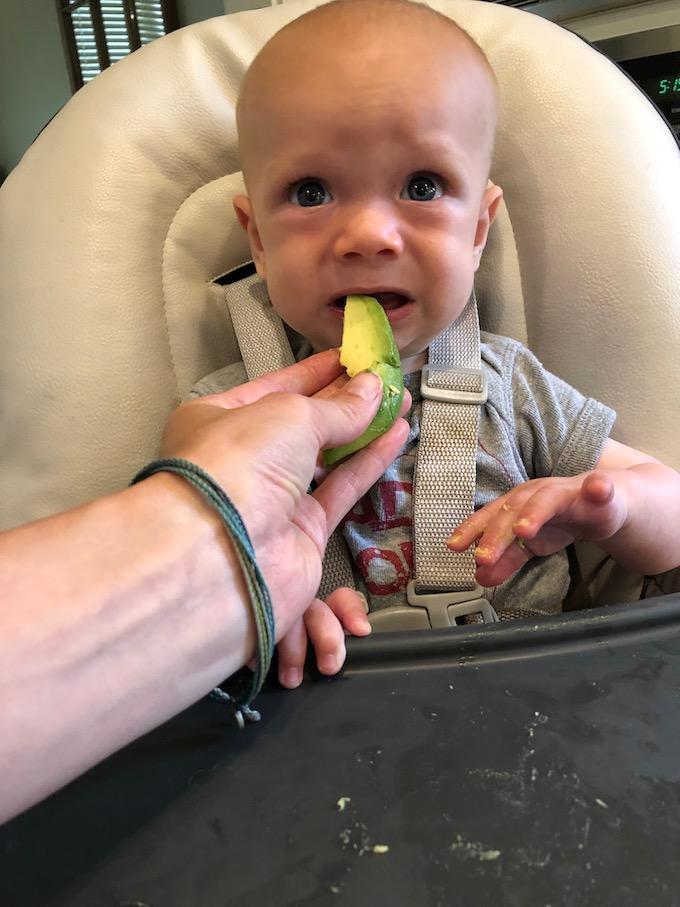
597, 488
344, 416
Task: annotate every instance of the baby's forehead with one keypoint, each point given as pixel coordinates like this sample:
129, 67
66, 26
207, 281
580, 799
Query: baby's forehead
328, 76
348, 42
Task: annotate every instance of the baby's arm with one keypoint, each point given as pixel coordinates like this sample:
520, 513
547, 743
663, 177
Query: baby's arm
324, 625
629, 505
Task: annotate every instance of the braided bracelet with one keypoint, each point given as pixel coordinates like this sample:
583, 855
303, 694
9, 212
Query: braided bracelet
260, 598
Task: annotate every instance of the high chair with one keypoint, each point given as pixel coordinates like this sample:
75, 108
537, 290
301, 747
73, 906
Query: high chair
514, 764
117, 224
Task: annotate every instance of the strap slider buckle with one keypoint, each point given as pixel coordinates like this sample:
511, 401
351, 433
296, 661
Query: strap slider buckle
456, 384
445, 606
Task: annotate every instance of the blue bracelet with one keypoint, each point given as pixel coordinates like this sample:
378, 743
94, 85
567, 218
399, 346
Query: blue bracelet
260, 598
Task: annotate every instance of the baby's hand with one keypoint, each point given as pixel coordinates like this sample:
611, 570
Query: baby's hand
324, 624
539, 518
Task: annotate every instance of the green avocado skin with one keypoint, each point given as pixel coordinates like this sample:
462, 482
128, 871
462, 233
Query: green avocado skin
368, 345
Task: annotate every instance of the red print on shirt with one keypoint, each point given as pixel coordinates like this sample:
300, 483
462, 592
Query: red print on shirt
365, 513
401, 560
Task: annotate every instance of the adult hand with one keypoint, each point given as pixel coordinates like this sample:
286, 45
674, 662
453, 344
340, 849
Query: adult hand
264, 452
130, 608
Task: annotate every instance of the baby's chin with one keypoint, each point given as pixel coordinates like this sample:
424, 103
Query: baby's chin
413, 362
325, 343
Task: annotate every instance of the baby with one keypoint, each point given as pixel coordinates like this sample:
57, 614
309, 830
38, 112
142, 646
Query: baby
366, 131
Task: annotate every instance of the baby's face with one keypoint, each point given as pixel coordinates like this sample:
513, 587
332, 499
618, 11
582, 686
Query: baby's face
367, 174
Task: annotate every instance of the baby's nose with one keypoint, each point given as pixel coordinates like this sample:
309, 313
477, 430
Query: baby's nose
369, 231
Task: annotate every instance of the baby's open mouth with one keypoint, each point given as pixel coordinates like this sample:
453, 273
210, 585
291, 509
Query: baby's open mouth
389, 301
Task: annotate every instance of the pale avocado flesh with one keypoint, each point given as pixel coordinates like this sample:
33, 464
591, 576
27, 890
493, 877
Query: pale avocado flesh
368, 345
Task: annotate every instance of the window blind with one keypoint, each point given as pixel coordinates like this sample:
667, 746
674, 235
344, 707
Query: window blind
100, 32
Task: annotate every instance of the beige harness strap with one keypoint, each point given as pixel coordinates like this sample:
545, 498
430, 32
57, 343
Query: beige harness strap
260, 332
453, 388
264, 347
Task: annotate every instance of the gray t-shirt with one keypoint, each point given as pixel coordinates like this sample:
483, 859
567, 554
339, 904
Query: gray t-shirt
533, 425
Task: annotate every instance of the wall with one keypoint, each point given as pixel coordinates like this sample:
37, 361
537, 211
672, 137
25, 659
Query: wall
597, 20
198, 10
236, 6
189, 11
34, 81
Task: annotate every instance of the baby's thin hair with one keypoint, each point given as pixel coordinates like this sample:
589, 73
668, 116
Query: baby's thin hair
374, 9
354, 14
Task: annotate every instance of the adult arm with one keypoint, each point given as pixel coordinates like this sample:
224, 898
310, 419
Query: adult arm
119, 614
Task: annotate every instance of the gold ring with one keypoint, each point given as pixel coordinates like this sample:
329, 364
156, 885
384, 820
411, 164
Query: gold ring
521, 544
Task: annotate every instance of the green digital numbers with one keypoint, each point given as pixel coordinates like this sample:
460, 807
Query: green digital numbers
669, 85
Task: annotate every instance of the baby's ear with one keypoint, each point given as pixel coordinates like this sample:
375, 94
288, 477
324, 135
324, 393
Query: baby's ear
488, 210
244, 212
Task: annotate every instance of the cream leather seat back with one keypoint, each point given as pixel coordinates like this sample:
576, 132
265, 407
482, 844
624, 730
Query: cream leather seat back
118, 219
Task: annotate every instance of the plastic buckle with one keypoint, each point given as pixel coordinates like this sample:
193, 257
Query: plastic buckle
451, 395
444, 607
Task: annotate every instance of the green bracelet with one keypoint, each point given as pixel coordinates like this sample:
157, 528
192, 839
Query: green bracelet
260, 598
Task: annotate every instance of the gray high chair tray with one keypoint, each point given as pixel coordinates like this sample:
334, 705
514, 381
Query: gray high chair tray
525, 763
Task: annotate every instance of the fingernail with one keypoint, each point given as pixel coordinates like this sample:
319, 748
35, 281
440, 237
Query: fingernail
328, 664
364, 601
292, 677
366, 385
362, 627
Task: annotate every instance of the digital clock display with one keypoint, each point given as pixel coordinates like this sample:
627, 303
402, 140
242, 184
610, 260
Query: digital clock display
659, 77
669, 85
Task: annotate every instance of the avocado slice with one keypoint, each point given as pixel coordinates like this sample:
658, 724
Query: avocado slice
368, 344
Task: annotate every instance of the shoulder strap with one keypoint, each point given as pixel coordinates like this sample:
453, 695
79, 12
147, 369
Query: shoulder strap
453, 387
264, 348
259, 331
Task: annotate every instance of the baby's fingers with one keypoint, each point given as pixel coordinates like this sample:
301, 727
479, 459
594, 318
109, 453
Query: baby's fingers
493, 529
326, 636
574, 505
469, 531
546, 504
350, 609
292, 649
493, 521
510, 561
598, 488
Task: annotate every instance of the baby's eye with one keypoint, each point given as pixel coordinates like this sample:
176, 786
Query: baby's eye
422, 188
309, 194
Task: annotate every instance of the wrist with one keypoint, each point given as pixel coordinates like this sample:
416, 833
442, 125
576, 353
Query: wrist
145, 612
191, 563
646, 541
258, 592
